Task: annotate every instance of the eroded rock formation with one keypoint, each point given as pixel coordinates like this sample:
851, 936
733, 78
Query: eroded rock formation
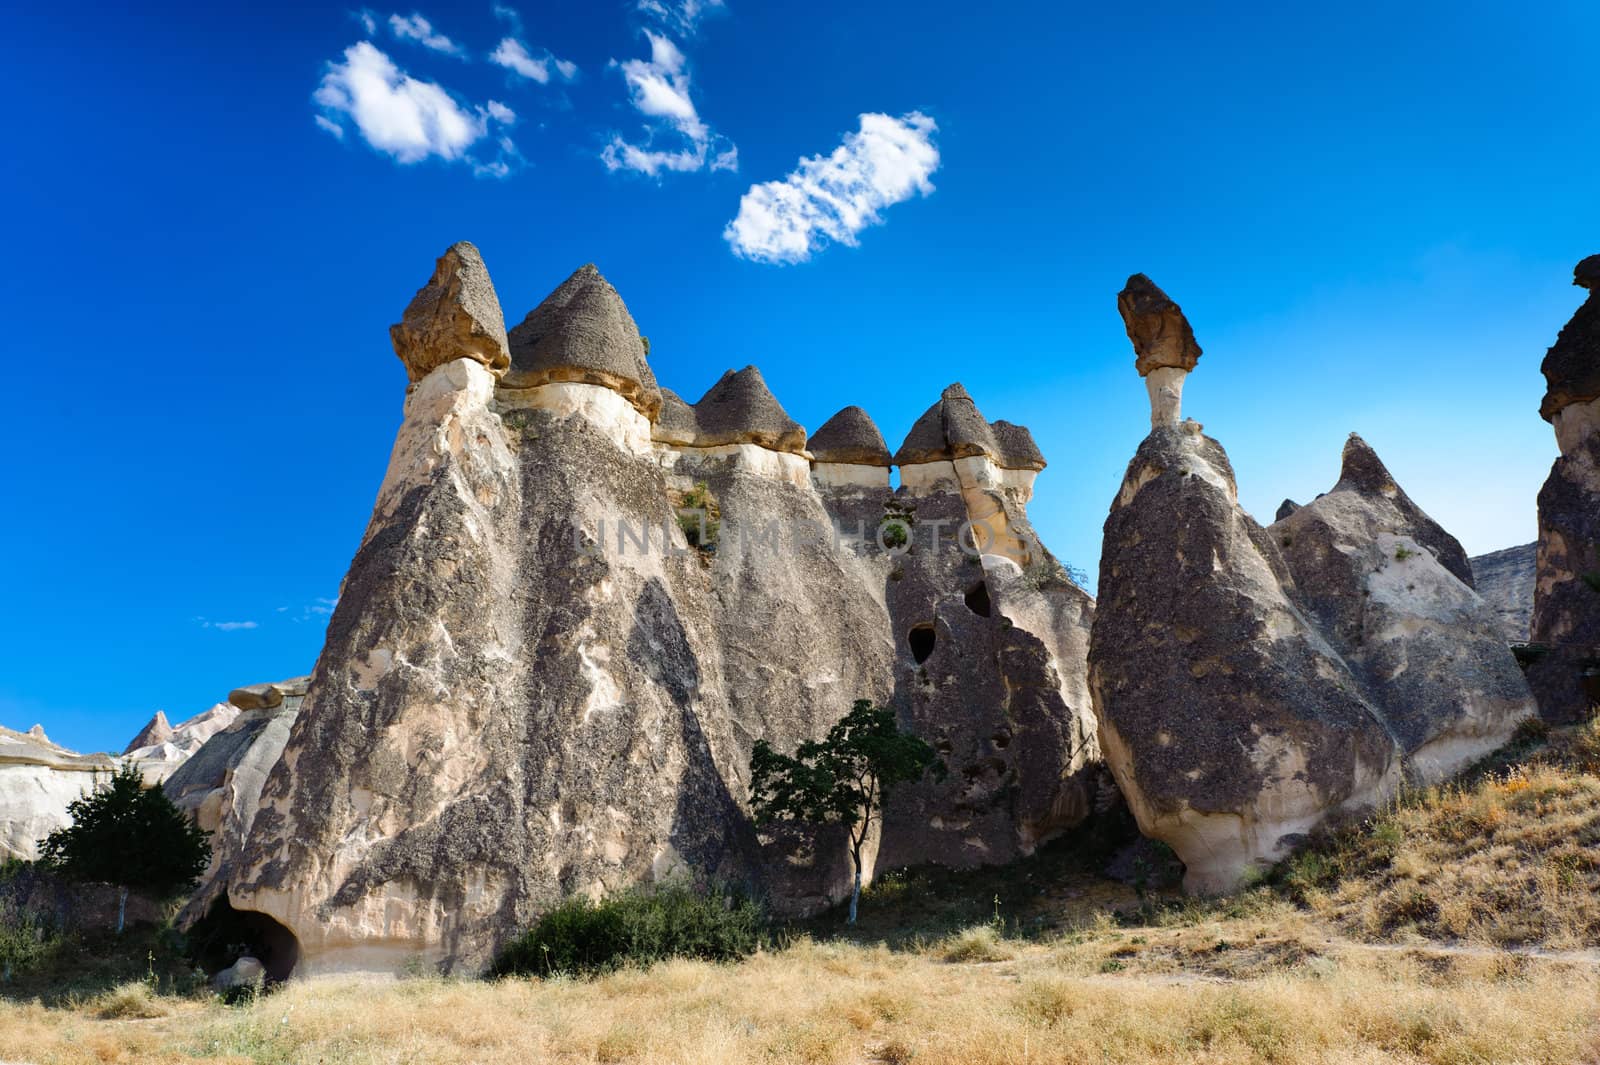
454, 316
1566, 603
536, 684
1505, 579
1253, 684
37, 781
1164, 346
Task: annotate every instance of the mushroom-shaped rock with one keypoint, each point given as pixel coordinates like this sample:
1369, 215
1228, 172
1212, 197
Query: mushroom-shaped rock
158, 731
1566, 607
456, 315
1383, 583
740, 409
849, 437
582, 332
1572, 366
954, 428
1163, 343
1017, 449
675, 424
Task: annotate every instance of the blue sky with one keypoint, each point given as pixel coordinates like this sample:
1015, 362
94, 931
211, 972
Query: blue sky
1369, 212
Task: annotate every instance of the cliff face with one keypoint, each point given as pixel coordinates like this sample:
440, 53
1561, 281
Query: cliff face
579, 602
1505, 579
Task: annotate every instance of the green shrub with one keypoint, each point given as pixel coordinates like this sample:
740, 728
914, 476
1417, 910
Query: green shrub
698, 513
581, 937
26, 939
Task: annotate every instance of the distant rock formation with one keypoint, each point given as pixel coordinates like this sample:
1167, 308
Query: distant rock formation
1255, 684
220, 783
1566, 602
159, 748
1505, 579
536, 685
37, 781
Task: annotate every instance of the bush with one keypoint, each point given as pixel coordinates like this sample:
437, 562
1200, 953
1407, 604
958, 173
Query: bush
26, 939
581, 937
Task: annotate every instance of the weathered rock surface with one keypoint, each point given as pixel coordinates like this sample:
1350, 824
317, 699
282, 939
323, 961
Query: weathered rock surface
1505, 579
1231, 725
37, 781
849, 437
456, 315
159, 760
1378, 578
1566, 601
158, 731
533, 686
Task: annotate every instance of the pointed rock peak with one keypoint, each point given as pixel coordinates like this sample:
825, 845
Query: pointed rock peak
1572, 365
158, 731
1363, 471
1286, 508
37, 732
583, 332
1156, 325
456, 315
954, 428
741, 409
850, 436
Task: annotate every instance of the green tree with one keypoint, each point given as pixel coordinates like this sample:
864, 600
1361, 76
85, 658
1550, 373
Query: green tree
842, 780
132, 836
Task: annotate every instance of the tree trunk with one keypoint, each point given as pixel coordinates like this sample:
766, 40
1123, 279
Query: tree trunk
122, 905
855, 892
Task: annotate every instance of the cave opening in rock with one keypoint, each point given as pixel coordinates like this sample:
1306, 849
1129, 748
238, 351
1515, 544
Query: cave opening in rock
978, 599
922, 640
225, 934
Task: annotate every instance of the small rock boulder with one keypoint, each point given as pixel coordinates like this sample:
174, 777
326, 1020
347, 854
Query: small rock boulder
456, 315
246, 972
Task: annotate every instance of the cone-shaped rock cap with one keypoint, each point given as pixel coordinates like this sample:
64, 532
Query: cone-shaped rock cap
740, 409
157, 731
456, 315
1160, 333
676, 423
954, 428
583, 332
1364, 473
849, 436
1572, 365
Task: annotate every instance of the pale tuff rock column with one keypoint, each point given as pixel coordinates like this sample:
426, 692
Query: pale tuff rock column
1230, 725
1163, 343
1566, 598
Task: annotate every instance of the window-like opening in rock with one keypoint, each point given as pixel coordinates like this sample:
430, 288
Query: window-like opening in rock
921, 639
225, 934
978, 599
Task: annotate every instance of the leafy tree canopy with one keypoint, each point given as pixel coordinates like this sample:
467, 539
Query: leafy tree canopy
132, 836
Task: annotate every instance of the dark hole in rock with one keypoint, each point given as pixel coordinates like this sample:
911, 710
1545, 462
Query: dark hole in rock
978, 599
1001, 740
921, 639
225, 934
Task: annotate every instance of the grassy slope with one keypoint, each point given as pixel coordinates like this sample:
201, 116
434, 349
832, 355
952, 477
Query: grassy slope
1378, 944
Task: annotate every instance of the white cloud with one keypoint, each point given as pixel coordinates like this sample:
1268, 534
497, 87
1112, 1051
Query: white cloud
659, 89
515, 57
403, 117
416, 28
368, 20
681, 15
828, 199
226, 626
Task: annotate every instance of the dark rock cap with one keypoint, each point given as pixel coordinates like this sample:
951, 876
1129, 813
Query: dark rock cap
954, 428
157, 731
1286, 508
1365, 474
583, 332
676, 424
849, 436
456, 315
1160, 333
740, 409
1572, 365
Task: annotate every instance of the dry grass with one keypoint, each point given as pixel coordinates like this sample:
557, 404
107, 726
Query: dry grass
980, 943
1510, 860
839, 1004
129, 1001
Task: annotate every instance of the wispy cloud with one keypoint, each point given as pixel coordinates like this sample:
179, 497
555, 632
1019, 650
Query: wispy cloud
414, 27
402, 116
681, 15
830, 199
226, 626
515, 56
659, 89
368, 20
